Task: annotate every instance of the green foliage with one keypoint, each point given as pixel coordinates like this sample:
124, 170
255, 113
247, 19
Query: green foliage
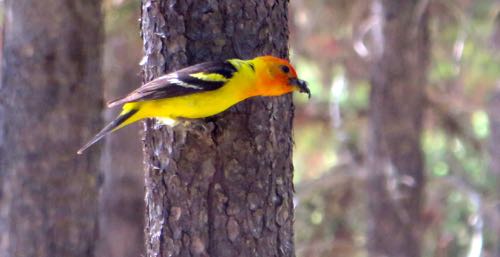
314, 153
311, 73
463, 69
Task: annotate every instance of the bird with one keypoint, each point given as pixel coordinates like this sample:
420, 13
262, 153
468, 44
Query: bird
204, 90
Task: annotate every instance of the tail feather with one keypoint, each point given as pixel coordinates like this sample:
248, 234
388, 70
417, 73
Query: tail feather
112, 126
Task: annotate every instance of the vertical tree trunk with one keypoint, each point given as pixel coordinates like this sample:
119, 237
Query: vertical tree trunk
121, 198
494, 153
221, 187
395, 157
494, 139
50, 103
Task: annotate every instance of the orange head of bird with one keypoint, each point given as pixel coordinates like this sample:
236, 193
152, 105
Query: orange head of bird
277, 77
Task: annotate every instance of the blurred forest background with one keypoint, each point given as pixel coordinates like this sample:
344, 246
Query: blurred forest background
333, 45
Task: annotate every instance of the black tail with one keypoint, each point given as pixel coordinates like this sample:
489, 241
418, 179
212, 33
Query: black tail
108, 129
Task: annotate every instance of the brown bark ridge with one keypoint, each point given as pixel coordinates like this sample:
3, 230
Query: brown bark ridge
223, 186
50, 103
395, 159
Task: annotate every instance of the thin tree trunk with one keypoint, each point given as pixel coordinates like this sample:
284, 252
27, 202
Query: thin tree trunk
221, 187
494, 160
50, 103
494, 139
397, 100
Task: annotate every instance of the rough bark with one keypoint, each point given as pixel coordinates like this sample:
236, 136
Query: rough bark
395, 157
223, 186
50, 102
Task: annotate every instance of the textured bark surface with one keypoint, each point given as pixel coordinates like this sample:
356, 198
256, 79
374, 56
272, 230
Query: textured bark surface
395, 157
50, 102
223, 186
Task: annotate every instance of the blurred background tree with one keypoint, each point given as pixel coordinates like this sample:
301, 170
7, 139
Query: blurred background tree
333, 44
398, 77
459, 215
121, 202
50, 101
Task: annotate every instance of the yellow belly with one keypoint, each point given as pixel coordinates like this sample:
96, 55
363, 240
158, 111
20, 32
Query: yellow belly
199, 105
194, 106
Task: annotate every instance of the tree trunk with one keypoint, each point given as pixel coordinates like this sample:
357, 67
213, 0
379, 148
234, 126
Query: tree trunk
121, 199
494, 139
397, 100
494, 161
50, 103
223, 186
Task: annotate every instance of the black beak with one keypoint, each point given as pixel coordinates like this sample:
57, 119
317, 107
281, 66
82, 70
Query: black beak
301, 85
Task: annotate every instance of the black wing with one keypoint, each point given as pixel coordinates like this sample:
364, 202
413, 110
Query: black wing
182, 82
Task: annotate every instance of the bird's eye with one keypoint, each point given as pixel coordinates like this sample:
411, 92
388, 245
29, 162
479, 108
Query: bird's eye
285, 69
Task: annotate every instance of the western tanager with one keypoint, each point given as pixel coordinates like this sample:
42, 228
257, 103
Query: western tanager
203, 90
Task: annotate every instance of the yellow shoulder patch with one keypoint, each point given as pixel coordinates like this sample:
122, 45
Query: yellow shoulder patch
209, 76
